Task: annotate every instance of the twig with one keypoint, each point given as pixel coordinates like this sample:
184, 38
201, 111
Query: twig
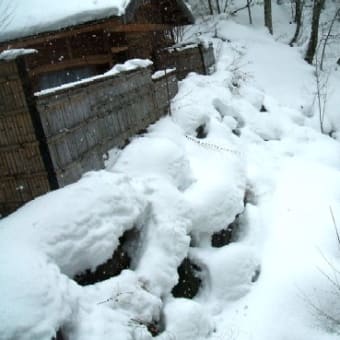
335, 225
318, 309
327, 37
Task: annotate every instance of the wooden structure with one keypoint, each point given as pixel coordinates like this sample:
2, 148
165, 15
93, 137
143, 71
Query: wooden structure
186, 59
92, 47
50, 140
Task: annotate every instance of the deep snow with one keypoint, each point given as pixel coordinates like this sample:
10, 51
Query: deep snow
274, 281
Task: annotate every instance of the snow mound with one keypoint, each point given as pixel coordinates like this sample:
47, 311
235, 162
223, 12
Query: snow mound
239, 265
152, 156
36, 297
119, 306
186, 319
62, 233
67, 223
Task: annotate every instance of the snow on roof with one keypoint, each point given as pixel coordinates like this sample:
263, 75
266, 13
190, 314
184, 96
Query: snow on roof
13, 54
28, 17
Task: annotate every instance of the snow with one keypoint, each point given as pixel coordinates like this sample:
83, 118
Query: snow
56, 236
15, 53
261, 159
25, 16
283, 62
192, 323
162, 73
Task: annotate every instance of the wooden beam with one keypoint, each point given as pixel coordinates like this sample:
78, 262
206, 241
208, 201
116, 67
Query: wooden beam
112, 25
138, 28
67, 64
69, 48
31, 41
118, 49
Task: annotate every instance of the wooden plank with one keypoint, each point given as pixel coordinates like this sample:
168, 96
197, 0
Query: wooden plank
16, 129
12, 96
8, 68
21, 189
118, 49
78, 62
138, 28
20, 159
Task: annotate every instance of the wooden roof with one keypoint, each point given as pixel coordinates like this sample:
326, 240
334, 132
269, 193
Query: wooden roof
31, 19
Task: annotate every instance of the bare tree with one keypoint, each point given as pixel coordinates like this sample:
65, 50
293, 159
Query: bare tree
299, 4
218, 6
249, 11
210, 7
248, 6
203, 7
268, 21
314, 36
321, 94
328, 312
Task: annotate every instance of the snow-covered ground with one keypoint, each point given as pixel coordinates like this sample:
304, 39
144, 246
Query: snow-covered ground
278, 279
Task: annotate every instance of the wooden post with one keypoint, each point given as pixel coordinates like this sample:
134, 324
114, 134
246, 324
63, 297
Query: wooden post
38, 128
201, 49
168, 91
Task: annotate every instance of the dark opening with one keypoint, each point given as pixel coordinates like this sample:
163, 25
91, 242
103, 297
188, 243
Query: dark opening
236, 132
120, 260
189, 281
57, 78
256, 274
201, 132
58, 336
222, 237
263, 108
227, 235
250, 197
154, 327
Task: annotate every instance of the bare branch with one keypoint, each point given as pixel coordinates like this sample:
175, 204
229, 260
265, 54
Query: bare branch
335, 225
337, 13
242, 8
6, 13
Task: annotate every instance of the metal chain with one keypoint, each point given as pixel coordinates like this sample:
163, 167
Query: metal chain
214, 147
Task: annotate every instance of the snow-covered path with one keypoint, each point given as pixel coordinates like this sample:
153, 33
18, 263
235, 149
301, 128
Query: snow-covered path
270, 283
295, 175
298, 240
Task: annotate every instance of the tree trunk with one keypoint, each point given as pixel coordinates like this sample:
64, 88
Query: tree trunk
313, 40
210, 7
268, 15
298, 19
249, 12
218, 6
